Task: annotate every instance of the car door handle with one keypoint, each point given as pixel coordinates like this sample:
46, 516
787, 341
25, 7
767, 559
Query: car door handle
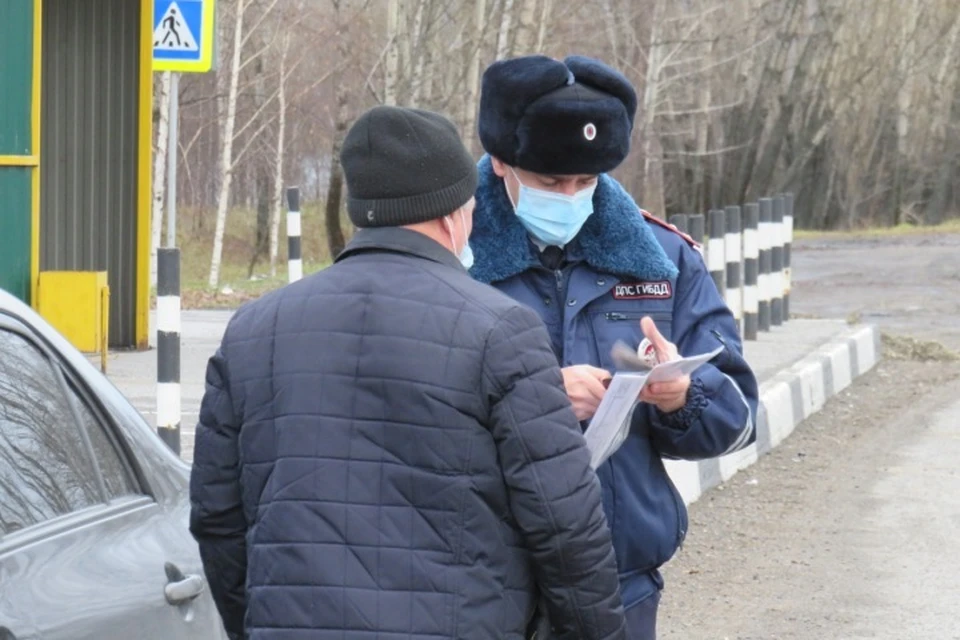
181, 588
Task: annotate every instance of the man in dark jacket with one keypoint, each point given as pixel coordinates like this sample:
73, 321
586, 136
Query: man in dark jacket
385, 448
559, 235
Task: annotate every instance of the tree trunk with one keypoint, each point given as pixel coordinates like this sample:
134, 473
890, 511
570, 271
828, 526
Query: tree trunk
545, 15
159, 172
393, 53
277, 202
473, 73
503, 37
526, 29
264, 191
335, 239
226, 153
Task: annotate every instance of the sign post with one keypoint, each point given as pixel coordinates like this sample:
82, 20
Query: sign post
183, 42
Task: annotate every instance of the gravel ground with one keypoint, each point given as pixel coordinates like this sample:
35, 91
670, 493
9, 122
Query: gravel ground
835, 534
849, 529
907, 285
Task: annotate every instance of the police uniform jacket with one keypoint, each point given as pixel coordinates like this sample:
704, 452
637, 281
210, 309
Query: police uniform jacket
622, 266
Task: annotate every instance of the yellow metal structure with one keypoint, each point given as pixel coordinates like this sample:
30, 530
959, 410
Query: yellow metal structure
75, 304
145, 147
144, 173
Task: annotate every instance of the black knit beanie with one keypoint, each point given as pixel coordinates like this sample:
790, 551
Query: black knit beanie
404, 166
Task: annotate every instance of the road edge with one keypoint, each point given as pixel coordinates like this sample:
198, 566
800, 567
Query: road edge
786, 400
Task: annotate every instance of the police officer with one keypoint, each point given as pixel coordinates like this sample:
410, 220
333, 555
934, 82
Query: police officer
555, 232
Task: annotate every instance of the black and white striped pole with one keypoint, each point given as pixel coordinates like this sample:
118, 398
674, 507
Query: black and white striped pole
776, 264
716, 249
766, 244
734, 251
696, 227
751, 270
679, 220
294, 258
168, 347
787, 243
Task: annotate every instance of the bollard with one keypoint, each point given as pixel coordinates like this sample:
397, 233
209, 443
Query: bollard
168, 347
716, 245
787, 242
751, 254
294, 258
776, 265
697, 227
734, 254
765, 229
679, 220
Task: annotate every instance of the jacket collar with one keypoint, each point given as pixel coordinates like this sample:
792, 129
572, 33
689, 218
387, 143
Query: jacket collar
615, 239
399, 240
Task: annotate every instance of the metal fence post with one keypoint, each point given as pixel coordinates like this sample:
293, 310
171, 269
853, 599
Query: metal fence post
294, 257
787, 242
716, 246
168, 347
766, 245
696, 227
776, 264
679, 220
734, 255
751, 270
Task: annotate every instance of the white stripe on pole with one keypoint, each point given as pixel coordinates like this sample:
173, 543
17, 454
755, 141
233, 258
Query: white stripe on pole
715, 255
293, 223
296, 269
168, 403
168, 313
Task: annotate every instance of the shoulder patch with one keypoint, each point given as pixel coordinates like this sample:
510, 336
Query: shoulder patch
649, 217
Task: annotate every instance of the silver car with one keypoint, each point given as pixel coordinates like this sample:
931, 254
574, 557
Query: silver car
94, 507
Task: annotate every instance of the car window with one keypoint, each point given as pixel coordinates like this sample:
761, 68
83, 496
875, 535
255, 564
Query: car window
116, 477
44, 468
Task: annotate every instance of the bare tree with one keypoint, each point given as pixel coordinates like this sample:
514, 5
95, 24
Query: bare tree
159, 171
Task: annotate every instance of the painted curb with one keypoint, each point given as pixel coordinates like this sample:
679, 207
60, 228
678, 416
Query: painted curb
786, 400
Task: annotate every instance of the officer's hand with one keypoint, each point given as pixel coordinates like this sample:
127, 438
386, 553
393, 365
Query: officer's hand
668, 396
584, 385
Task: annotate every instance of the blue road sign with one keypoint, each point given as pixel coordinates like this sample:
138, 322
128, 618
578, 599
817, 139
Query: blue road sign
183, 35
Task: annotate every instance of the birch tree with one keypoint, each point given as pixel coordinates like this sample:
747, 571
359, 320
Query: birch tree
278, 161
226, 153
159, 171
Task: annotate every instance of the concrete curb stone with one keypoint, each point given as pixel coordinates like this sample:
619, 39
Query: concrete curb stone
786, 400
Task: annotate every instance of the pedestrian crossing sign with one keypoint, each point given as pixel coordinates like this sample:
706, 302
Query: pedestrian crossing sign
183, 35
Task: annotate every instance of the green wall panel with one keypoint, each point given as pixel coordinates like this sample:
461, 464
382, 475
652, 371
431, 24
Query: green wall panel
15, 231
16, 76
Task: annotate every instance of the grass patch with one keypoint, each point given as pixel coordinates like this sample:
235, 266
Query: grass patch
195, 231
897, 347
950, 226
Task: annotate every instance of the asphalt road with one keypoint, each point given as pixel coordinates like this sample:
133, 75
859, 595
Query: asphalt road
851, 528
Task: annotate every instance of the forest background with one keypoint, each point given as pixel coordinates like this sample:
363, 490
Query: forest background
852, 105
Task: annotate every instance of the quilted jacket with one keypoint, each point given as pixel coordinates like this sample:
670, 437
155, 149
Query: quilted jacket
385, 450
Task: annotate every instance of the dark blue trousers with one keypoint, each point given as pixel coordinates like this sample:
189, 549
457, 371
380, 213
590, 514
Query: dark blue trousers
642, 619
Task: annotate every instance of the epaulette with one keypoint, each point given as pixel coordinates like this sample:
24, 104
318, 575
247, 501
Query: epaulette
672, 227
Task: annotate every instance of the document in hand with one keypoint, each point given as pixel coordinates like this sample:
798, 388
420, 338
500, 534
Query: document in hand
611, 423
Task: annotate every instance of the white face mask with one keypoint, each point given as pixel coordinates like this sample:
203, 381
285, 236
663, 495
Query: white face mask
553, 218
465, 253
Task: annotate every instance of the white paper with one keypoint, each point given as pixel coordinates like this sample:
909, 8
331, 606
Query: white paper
611, 423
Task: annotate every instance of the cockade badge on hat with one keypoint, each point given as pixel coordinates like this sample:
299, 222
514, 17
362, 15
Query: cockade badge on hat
590, 131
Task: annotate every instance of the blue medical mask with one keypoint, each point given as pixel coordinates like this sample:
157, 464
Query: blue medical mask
466, 253
553, 218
